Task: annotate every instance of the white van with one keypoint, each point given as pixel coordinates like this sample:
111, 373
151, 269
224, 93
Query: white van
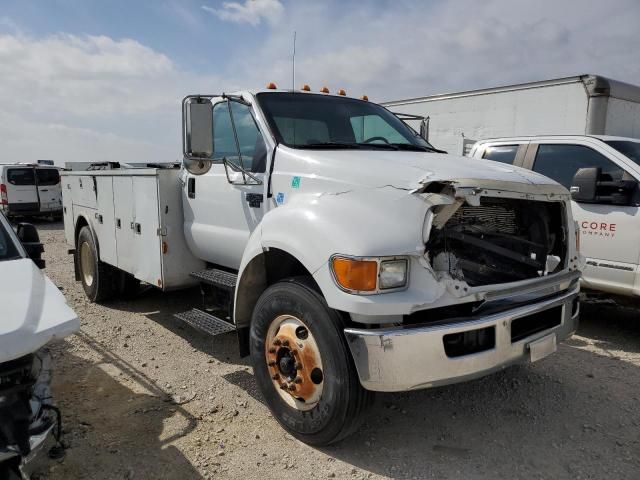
602, 173
27, 189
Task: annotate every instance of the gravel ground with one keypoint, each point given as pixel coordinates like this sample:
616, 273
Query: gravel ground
144, 397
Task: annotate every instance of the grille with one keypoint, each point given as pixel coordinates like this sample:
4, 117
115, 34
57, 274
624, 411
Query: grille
497, 218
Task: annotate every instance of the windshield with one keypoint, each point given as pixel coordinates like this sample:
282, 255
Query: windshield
8, 249
626, 147
302, 120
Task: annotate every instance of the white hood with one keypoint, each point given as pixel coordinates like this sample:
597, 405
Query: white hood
33, 311
406, 170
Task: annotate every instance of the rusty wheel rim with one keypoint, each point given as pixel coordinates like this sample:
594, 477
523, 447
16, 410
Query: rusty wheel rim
294, 362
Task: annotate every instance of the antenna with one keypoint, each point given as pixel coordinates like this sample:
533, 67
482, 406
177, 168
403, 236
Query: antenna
293, 63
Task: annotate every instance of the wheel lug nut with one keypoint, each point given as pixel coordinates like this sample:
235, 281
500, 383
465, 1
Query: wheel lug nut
272, 364
298, 380
276, 376
285, 343
272, 350
297, 366
277, 342
292, 388
283, 387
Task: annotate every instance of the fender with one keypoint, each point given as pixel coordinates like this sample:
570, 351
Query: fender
325, 224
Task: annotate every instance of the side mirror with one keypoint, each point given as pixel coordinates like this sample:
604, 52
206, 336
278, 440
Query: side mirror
584, 184
589, 186
424, 128
197, 119
28, 236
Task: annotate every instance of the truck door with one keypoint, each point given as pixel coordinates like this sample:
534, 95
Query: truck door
21, 190
609, 233
220, 210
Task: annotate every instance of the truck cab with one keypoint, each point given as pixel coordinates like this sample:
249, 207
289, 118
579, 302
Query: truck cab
348, 255
609, 220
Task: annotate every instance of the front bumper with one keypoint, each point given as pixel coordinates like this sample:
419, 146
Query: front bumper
414, 357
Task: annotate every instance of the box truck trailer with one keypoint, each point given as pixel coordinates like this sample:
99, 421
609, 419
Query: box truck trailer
580, 105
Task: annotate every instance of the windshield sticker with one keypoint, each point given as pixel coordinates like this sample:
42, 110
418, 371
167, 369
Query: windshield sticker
280, 198
295, 182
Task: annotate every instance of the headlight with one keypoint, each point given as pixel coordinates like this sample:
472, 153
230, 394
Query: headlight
393, 274
369, 275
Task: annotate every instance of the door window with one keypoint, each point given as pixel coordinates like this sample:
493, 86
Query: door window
250, 141
21, 176
47, 176
561, 162
501, 153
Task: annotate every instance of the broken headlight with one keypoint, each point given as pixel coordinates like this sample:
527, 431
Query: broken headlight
393, 274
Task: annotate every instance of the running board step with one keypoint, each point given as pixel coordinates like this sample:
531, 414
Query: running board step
205, 322
217, 278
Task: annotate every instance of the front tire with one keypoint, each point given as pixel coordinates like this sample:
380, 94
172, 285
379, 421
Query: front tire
94, 274
303, 366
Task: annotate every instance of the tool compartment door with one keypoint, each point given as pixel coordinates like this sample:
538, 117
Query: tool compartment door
146, 239
123, 219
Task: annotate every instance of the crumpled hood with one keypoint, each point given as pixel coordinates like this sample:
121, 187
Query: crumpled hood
34, 312
407, 170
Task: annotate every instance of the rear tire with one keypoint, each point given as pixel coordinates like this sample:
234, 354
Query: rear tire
326, 402
96, 276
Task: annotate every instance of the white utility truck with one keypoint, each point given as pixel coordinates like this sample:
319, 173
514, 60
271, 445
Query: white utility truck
351, 257
580, 105
603, 174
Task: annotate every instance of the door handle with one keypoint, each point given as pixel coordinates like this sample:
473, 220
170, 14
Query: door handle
191, 187
254, 199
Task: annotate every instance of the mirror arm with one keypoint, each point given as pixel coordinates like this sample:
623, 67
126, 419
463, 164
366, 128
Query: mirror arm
235, 136
236, 168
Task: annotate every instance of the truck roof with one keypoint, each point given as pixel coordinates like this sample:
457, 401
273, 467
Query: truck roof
595, 85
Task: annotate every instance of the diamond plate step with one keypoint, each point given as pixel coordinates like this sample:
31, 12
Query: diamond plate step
218, 278
205, 322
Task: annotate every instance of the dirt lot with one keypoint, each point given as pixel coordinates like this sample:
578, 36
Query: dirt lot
144, 397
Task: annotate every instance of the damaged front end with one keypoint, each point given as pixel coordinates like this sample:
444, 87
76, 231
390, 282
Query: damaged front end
27, 416
497, 240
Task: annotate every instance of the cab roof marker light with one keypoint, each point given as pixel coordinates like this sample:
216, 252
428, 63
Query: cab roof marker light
342, 92
271, 86
306, 88
324, 90
365, 98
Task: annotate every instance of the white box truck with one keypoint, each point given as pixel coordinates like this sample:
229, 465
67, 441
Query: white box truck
580, 105
346, 254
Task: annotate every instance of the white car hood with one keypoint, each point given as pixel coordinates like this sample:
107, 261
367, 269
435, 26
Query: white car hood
408, 170
34, 312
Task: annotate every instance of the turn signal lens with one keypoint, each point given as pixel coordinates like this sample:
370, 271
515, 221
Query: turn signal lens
3, 194
356, 275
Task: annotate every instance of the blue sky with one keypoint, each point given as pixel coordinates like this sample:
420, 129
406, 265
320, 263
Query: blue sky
97, 79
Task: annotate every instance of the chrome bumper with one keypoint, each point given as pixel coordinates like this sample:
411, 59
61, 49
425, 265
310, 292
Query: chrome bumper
408, 358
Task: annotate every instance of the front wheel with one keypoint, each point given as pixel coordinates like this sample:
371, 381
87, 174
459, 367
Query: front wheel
303, 366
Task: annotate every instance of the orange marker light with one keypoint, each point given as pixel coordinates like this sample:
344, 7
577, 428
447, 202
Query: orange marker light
306, 88
271, 86
359, 275
342, 92
365, 98
324, 90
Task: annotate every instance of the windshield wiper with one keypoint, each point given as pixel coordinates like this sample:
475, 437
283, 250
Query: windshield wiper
328, 145
416, 148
